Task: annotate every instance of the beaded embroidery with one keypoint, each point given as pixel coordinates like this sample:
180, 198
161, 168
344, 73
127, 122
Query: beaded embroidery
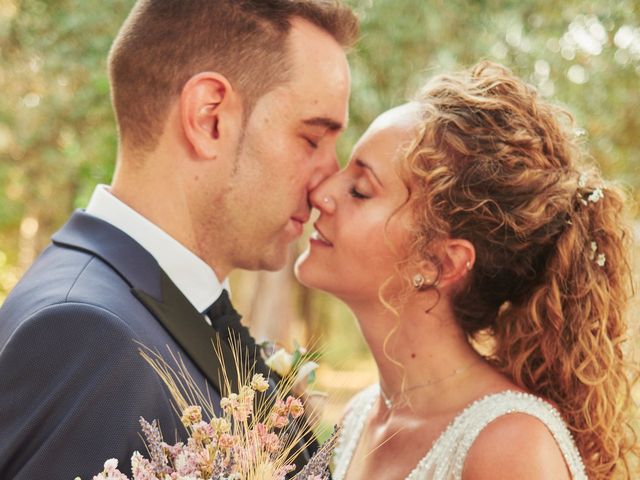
445, 459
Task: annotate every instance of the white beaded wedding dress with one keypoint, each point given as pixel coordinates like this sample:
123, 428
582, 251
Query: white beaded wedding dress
445, 459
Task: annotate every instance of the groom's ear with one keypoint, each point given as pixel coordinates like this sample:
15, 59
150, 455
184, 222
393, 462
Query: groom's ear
211, 114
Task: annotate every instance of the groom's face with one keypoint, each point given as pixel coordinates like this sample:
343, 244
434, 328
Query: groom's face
287, 149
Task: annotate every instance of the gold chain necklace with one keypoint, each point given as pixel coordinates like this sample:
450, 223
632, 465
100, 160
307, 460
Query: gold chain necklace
389, 400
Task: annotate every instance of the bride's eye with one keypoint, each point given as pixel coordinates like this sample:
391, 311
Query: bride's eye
356, 194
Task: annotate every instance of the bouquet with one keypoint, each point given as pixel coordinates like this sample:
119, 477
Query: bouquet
256, 437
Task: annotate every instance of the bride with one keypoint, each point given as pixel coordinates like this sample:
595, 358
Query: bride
467, 212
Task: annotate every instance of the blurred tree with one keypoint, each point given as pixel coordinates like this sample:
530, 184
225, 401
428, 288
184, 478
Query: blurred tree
57, 134
58, 139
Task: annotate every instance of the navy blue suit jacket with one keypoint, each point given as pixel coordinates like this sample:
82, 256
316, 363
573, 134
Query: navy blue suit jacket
72, 381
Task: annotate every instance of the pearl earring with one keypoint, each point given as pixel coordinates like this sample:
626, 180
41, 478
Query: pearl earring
326, 200
469, 266
418, 281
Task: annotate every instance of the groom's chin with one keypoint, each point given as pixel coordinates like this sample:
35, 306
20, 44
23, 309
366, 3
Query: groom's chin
273, 260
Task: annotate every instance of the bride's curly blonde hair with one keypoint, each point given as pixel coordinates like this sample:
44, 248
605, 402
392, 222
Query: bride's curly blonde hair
497, 165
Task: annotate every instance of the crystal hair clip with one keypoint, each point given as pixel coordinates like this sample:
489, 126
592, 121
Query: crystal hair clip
600, 258
594, 197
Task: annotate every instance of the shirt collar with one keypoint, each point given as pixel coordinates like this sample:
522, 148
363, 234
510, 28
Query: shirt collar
194, 278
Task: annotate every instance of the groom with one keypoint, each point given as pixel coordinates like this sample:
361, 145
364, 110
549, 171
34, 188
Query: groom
228, 114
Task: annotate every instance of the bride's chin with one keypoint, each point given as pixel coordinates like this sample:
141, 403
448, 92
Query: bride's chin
306, 272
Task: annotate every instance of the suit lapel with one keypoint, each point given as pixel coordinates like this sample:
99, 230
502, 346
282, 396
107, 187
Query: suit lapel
153, 288
189, 329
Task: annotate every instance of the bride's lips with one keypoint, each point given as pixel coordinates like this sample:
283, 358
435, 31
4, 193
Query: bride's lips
318, 238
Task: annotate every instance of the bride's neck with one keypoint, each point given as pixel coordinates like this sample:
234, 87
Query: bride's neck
415, 348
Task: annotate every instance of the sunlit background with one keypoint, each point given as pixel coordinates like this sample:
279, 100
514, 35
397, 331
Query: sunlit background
57, 134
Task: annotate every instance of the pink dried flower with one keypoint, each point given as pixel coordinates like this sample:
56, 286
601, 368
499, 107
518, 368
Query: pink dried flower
187, 463
278, 421
173, 450
268, 440
226, 441
203, 432
142, 468
294, 407
240, 406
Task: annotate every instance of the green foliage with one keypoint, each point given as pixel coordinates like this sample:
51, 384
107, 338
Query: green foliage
57, 134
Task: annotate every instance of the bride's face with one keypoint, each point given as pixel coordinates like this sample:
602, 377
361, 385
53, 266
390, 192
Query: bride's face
360, 233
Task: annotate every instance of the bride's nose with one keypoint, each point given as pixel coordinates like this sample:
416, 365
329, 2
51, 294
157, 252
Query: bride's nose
322, 197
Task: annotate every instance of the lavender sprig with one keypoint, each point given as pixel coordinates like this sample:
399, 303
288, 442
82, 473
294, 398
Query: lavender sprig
153, 439
318, 467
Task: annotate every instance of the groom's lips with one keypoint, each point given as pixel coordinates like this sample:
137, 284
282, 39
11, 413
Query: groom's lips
298, 223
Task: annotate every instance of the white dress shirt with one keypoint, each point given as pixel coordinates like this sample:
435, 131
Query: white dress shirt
194, 278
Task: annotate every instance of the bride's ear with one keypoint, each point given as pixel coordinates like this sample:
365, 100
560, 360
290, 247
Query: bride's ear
458, 260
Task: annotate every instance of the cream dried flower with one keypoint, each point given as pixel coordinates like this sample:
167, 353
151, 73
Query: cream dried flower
259, 383
191, 415
221, 425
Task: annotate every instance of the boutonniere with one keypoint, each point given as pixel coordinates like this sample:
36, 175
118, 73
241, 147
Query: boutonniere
300, 364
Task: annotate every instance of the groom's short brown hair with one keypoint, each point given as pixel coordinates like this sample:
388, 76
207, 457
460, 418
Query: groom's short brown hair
163, 43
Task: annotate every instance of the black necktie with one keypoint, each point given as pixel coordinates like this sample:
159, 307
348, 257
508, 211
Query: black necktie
226, 321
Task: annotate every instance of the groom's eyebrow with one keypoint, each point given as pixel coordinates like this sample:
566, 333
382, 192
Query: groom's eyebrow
325, 122
362, 164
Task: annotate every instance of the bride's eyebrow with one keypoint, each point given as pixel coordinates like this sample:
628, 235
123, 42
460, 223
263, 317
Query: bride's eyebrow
362, 164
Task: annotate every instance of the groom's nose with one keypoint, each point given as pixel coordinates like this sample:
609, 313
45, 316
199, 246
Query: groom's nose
327, 166
321, 197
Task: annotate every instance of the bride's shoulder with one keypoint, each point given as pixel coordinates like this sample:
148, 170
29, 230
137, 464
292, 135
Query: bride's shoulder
523, 437
515, 445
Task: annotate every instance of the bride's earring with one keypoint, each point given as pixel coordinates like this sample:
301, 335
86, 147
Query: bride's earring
418, 281
469, 266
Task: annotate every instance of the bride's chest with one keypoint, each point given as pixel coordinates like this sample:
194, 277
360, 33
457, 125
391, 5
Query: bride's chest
393, 451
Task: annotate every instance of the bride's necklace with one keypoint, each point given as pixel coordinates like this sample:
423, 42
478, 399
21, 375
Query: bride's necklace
389, 401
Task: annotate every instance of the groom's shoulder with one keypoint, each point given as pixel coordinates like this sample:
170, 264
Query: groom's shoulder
62, 282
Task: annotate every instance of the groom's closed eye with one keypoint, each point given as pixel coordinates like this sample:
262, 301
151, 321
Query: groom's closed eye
313, 143
315, 129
